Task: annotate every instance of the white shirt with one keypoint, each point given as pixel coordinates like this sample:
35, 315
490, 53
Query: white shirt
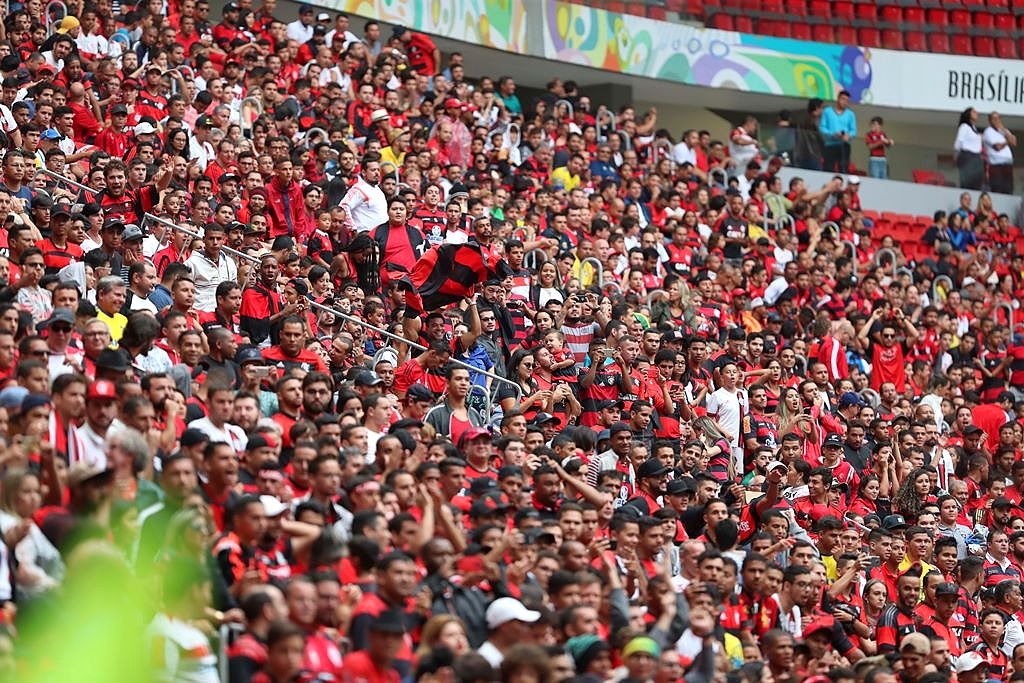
184, 650
681, 154
727, 407
489, 652
996, 157
300, 32
200, 152
229, 433
95, 44
366, 205
208, 275
142, 304
347, 39
967, 140
92, 448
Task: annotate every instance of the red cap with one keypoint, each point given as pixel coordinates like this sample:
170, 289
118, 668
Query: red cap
452, 102
103, 389
474, 433
739, 291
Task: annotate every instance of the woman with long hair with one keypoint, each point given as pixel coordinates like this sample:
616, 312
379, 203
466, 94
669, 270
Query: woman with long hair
443, 630
772, 383
716, 447
546, 286
967, 150
672, 307
359, 260
868, 495
793, 419
875, 597
39, 565
913, 494
520, 371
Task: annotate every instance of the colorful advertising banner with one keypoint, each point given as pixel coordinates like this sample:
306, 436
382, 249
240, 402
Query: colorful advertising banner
637, 46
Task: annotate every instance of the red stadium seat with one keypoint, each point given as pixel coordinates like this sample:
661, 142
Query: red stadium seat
801, 31
656, 12
843, 10
1004, 23
1006, 48
997, 4
892, 39
913, 15
744, 24
985, 21
846, 35
960, 17
819, 8
938, 42
797, 8
984, 46
937, 17
915, 41
696, 8
867, 11
772, 7
892, 14
823, 34
962, 44
869, 37
783, 29
722, 21
677, 6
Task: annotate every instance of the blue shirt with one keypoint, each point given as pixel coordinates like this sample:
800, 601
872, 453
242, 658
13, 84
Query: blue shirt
160, 297
833, 123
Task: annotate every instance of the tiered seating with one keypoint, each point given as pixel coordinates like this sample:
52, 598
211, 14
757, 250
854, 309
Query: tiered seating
985, 28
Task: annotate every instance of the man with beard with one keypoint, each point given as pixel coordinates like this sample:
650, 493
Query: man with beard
282, 540
365, 205
100, 411
68, 393
211, 267
223, 349
317, 394
396, 581
291, 351
651, 478
177, 480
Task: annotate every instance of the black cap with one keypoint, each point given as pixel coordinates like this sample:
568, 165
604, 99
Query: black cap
679, 487
368, 379
609, 403
544, 418
652, 467
947, 588
482, 485
894, 523
833, 440
119, 109
618, 427
1002, 502
110, 359
972, 429
419, 392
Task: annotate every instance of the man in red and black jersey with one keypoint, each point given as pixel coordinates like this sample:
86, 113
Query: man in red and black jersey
760, 430
606, 378
429, 217
396, 581
118, 201
750, 614
360, 111
58, 252
291, 352
898, 618
229, 301
262, 305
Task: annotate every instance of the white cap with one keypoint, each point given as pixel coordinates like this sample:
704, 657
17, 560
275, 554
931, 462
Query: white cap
504, 610
379, 115
969, 661
272, 507
853, 180
323, 16
776, 464
144, 128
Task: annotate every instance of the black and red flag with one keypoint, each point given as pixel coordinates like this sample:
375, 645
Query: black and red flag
447, 274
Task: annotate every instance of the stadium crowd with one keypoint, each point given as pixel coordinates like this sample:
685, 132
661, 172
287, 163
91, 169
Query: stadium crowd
641, 417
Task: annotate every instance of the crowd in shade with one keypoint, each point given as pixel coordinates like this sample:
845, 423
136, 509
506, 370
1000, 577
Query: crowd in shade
360, 366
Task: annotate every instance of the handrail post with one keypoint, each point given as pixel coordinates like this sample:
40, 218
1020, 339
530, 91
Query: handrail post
853, 250
605, 115
568, 104
532, 263
935, 287
598, 268
885, 250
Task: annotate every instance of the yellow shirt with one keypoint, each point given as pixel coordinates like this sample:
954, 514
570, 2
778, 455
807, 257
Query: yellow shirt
115, 324
561, 177
388, 156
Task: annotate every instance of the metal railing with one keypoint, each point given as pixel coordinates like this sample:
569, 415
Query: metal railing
832, 227
530, 260
662, 149
567, 104
343, 316
1005, 305
598, 270
853, 250
892, 256
935, 288
67, 181
608, 116
317, 306
50, 17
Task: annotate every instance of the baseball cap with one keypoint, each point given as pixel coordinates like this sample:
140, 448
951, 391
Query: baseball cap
453, 103
119, 110
504, 610
894, 523
260, 441
609, 403
145, 128
652, 467
103, 389
642, 645
323, 16
482, 485
59, 315
389, 621
969, 661
131, 232
474, 433
50, 134
248, 354
12, 397
947, 588
494, 501
419, 392
368, 379
776, 464
851, 398
820, 624
544, 418
853, 180
1002, 502
111, 359
917, 643
113, 224
272, 506
833, 440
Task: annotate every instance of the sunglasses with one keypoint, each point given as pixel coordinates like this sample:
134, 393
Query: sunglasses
62, 329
